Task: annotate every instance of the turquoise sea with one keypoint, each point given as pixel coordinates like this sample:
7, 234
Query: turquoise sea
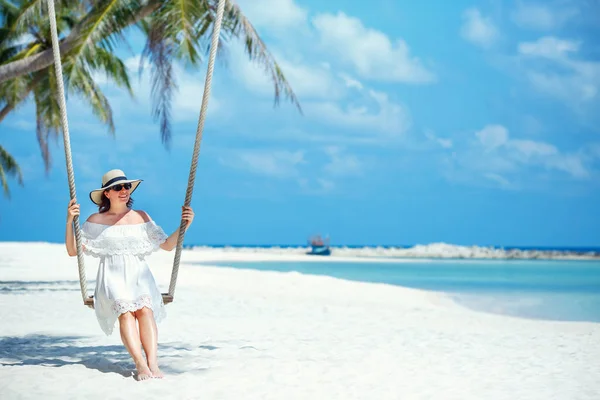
554, 290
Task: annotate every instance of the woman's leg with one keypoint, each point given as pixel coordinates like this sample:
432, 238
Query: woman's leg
149, 337
131, 340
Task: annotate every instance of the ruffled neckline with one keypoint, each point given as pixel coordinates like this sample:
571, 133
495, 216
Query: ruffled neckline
120, 239
109, 225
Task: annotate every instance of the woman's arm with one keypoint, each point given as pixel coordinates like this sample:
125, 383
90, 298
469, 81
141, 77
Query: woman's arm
171, 242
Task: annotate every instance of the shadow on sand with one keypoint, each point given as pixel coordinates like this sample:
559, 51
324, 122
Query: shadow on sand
59, 351
41, 286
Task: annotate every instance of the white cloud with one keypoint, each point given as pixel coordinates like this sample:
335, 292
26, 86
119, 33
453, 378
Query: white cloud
492, 136
290, 166
351, 82
549, 47
338, 97
273, 14
373, 114
571, 88
445, 143
186, 101
494, 157
276, 164
319, 186
552, 69
339, 100
530, 148
478, 29
570, 163
307, 81
370, 52
538, 16
531, 125
510, 153
499, 179
341, 163
325, 184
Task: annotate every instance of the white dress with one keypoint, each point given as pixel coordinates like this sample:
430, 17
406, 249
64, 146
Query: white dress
124, 281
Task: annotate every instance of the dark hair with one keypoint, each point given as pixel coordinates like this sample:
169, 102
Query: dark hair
105, 203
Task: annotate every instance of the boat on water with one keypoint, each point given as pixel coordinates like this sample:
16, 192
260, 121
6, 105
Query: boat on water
319, 246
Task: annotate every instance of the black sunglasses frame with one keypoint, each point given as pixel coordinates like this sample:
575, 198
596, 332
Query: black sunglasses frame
117, 188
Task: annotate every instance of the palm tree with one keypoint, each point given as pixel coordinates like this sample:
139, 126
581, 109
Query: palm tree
89, 31
8, 167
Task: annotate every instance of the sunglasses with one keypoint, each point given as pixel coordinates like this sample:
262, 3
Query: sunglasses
117, 188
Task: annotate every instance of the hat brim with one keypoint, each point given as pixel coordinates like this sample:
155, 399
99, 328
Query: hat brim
96, 194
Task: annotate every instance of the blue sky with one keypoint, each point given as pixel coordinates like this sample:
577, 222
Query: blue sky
461, 122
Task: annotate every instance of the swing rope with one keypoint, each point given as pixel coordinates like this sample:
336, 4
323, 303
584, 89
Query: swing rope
67, 145
190, 188
167, 297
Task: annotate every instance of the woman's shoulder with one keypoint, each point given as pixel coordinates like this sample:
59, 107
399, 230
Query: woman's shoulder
143, 214
138, 216
96, 218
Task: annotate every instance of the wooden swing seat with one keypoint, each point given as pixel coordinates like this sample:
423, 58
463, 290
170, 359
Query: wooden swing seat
167, 298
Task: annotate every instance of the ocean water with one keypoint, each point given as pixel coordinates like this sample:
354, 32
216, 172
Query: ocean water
553, 290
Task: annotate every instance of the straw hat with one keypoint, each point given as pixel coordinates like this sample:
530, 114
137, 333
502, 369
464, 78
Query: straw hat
112, 178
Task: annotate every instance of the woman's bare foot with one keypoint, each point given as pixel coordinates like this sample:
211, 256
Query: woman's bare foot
156, 372
143, 371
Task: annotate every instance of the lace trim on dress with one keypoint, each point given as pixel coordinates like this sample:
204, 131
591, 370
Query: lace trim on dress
122, 306
156, 234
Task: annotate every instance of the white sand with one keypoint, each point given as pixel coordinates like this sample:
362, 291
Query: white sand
235, 334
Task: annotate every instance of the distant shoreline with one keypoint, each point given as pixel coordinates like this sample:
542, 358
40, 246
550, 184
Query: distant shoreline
429, 251
434, 250
579, 249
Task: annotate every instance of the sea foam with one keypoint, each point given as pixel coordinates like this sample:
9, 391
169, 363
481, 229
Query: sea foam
433, 250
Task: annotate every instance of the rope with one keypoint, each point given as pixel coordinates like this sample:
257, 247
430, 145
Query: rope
190, 188
67, 143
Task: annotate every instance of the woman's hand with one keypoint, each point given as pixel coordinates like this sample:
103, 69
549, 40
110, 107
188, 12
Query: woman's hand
187, 214
72, 210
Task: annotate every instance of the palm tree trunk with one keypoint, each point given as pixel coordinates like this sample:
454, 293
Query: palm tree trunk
44, 59
35, 62
7, 109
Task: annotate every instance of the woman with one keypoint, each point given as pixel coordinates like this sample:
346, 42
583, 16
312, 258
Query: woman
125, 287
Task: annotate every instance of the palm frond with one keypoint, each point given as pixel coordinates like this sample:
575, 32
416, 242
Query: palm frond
21, 17
171, 33
160, 51
9, 54
236, 24
104, 24
8, 167
14, 90
27, 32
82, 83
47, 111
14, 93
8, 13
18, 18
182, 19
112, 67
4, 182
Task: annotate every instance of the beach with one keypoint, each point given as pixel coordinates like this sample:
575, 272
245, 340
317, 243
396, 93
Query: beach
244, 334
